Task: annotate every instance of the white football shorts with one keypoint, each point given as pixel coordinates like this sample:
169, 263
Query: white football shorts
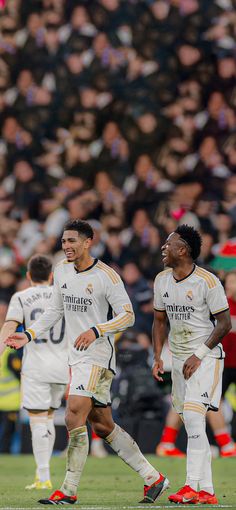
91, 381
41, 396
204, 386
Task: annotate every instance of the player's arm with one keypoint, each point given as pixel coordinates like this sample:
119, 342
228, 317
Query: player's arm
120, 303
46, 321
222, 327
124, 318
219, 308
8, 328
159, 329
14, 317
159, 334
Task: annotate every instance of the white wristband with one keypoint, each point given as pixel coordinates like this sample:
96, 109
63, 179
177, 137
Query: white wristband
202, 351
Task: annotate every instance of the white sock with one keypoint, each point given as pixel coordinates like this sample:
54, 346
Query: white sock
195, 425
51, 435
40, 445
123, 444
75, 460
206, 484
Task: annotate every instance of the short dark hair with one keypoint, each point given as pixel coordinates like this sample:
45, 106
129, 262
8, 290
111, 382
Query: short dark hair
82, 227
192, 238
39, 267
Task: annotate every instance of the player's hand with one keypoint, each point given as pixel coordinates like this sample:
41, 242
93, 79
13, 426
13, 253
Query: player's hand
157, 369
84, 340
16, 340
190, 366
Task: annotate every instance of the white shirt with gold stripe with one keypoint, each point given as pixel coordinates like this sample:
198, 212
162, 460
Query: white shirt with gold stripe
190, 305
96, 298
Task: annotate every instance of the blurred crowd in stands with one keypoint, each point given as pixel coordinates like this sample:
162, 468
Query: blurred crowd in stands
123, 113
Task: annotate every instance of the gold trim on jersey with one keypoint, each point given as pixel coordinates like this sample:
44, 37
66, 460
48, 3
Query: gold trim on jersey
119, 322
202, 273
115, 325
31, 331
109, 271
94, 376
196, 407
216, 377
164, 272
221, 310
128, 308
13, 320
99, 329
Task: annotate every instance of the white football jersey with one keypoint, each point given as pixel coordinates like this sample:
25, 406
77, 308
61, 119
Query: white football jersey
46, 358
190, 305
95, 297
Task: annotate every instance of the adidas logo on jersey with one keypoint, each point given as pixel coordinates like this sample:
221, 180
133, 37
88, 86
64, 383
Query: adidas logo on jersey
81, 387
64, 286
205, 394
166, 294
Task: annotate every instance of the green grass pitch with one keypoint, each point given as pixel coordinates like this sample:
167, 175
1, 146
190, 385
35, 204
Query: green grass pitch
107, 483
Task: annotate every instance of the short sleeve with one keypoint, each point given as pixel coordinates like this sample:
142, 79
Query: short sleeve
15, 310
216, 299
158, 301
117, 296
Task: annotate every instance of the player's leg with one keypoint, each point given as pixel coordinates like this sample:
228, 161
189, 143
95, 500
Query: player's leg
121, 442
57, 392
187, 493
36, 400
78, 408
214, 383
79, 405
194, 416
40, 446
200, 389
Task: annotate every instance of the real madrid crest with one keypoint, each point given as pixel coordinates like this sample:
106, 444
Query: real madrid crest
189, 296
89, 289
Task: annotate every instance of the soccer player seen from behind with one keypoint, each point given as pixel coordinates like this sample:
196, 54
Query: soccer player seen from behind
45, 371
194, 302
96, 306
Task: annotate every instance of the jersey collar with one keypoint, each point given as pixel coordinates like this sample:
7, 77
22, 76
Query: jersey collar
87, 268
185, 278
